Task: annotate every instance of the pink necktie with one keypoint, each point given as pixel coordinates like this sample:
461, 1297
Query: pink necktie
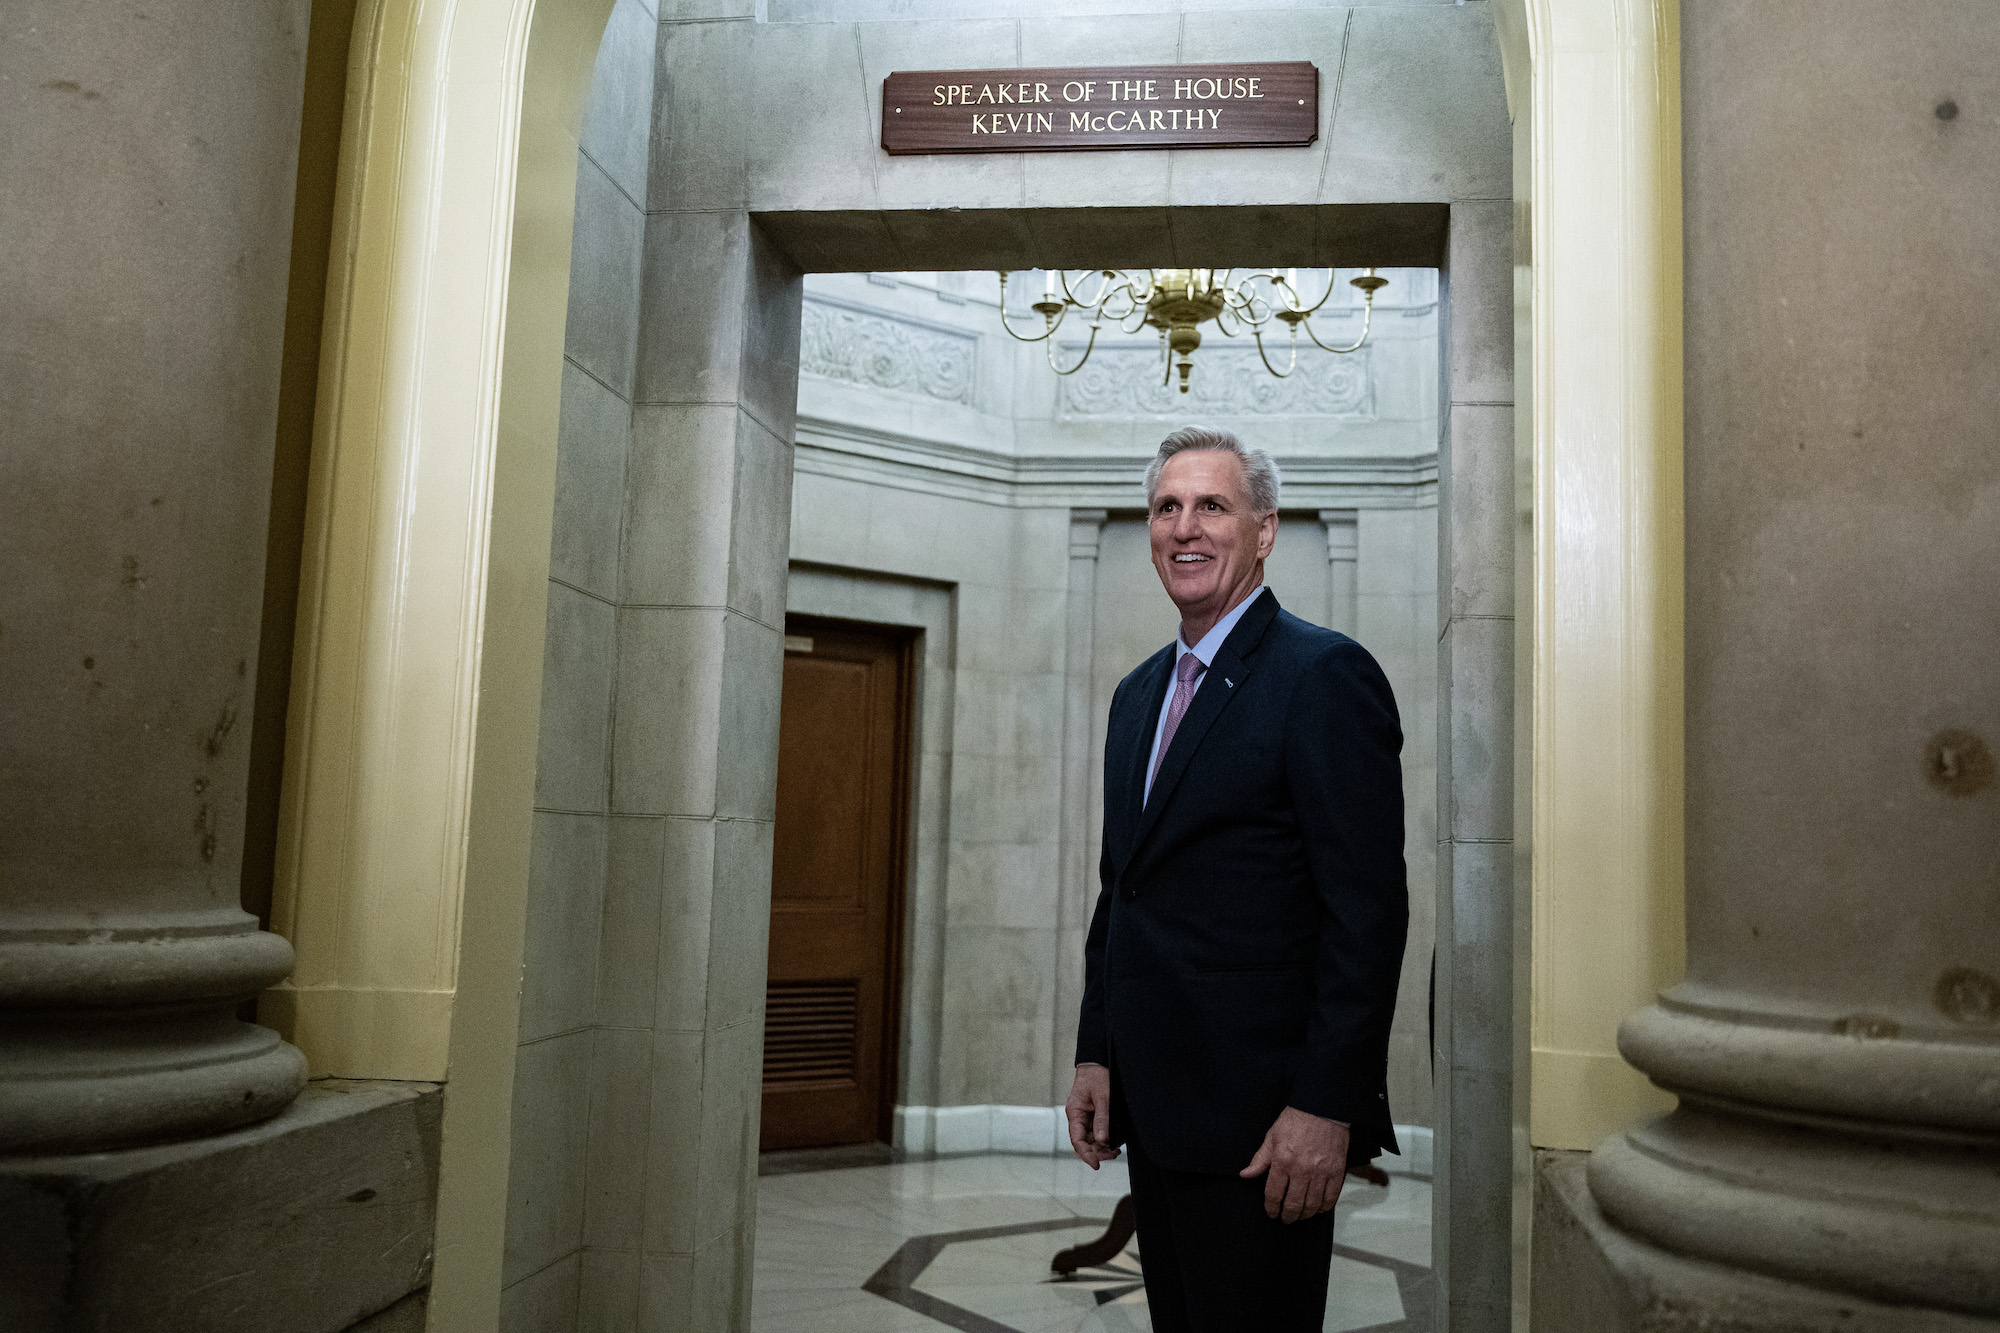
1188, 672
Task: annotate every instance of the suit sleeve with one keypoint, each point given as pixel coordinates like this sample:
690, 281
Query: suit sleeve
1093, 1036
1093, 1041
1342, 764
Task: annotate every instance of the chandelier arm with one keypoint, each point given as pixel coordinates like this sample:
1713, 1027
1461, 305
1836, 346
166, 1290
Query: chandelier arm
1044, 336
1295, 302
1367, 317
1248, 311
1290, 366
1123, 287
1103, 290
1008, 327
1293, 294
1332, 281
1079, 361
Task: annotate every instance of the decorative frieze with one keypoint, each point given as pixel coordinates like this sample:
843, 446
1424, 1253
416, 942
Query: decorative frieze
1313, 480
1125, 380
840, 342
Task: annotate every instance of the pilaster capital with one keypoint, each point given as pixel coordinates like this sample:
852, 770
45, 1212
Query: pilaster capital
1342, 533
1086, 532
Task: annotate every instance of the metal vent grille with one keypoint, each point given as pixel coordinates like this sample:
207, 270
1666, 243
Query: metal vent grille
810, 1030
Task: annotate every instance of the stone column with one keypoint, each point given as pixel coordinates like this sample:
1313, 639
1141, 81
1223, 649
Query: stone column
1474, 1041
698, 680
1836, 1045
150, 157
1342, 546
1077, 887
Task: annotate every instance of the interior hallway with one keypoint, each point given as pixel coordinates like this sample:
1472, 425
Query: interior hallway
965, 1242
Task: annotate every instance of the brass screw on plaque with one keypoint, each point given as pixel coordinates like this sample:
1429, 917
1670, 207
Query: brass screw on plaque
1176, 301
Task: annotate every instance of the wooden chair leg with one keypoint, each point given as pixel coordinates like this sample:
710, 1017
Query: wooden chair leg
1106, 1247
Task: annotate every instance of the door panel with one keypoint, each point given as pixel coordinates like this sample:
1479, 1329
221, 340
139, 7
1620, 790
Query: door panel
823, 780
836, 884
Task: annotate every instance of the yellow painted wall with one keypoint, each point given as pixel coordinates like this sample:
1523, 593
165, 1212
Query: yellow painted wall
403, 838
1596, 82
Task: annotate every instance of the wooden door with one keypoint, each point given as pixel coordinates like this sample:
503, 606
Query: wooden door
836, 885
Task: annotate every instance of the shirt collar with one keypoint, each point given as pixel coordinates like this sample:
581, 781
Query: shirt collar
1211, 642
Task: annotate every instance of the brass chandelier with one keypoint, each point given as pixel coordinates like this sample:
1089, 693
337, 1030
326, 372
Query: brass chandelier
1177, 301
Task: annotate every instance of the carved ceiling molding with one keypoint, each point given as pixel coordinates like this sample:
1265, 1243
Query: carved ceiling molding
838, 341
1123, 381
851, 452
896, 353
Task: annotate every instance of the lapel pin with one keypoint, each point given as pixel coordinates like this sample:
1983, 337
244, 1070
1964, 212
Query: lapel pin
1230, 683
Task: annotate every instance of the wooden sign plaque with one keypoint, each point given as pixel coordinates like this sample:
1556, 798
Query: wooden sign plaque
1273, 105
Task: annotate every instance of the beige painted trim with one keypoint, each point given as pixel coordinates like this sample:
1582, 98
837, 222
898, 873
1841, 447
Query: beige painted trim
1602, 281
403, 859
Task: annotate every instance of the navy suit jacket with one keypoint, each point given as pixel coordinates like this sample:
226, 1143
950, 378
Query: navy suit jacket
1249, 929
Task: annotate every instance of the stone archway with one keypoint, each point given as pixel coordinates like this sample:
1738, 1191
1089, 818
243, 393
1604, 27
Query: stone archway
700, 611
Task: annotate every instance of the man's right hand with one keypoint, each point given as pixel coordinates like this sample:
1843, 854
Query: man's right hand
1089, 1113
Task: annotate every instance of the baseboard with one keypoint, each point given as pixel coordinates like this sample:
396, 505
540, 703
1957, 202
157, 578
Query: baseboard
1040, 1131
1416, 1158
947, 1131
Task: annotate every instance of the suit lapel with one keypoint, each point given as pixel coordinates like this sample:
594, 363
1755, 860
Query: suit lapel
1137, 741
1219, 684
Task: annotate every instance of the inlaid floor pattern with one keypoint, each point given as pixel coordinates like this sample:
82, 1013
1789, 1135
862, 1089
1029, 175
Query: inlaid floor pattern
965, 1243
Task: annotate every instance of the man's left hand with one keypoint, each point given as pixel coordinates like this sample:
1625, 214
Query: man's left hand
1305, 1157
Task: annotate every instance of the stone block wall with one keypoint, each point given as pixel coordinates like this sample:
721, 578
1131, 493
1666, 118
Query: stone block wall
981, 934
587, 975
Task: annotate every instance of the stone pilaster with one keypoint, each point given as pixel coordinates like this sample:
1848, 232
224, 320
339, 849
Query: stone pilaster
1343, 546
1077, 891
144, 282
700, 668
1474, 1043
1836, 1046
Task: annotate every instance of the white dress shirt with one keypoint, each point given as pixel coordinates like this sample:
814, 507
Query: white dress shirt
1205, 650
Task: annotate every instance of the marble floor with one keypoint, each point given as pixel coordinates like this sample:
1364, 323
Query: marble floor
964, 1243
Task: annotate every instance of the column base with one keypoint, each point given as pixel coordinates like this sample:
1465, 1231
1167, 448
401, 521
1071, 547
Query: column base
114, 1042
1589, 1275
82, 1081
1902, 1219
311, 1222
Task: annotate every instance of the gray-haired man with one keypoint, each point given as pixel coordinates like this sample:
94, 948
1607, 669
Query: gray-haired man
1241, 968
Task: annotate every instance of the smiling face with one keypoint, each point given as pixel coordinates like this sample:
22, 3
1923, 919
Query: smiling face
1208, 545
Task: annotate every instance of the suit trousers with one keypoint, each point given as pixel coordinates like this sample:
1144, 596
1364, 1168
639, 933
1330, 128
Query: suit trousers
1214, 1263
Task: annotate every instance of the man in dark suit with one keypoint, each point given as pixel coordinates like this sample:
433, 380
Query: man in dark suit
1241, 967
